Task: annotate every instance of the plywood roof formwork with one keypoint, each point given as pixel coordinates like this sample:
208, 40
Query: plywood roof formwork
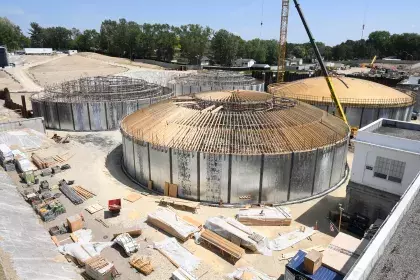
351, 92
249, 123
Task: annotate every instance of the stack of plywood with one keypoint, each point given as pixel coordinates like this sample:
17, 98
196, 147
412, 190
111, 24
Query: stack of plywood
343, 252
170, 222
233, 250
265, 216
100, 269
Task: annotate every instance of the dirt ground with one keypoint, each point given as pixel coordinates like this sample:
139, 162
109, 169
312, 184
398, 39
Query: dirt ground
96, 165
6, 81
118, 60
71, 67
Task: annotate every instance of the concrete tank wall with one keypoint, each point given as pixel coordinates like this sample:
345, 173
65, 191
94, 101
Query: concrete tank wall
236, 179
89, 116
360, 116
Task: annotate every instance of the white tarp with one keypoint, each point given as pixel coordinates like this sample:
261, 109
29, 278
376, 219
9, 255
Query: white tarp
84, 251
289, 239
236, 232
5, 152
178, 254
173, 222
256, 274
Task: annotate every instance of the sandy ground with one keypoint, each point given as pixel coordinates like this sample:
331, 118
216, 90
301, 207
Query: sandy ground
96, 165
6, 81
121, 61
71, 67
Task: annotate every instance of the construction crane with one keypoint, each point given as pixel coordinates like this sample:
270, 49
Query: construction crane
281, 57
373, 61
321, 64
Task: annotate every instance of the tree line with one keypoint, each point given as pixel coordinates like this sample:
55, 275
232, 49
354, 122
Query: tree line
189, 43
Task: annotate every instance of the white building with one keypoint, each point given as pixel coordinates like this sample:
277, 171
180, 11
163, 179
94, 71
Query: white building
294, 61
386, 160
205, 61
244, 62
39, 51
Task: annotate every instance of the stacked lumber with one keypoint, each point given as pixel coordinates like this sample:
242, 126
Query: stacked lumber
142, 264
83, 193
233, 250
47, 162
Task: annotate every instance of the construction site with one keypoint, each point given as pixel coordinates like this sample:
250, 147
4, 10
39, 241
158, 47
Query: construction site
116, 169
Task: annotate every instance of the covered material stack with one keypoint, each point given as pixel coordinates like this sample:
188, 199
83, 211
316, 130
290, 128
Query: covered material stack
94, 103
362, 101
100, 269
171, 223
265, 216
235, 147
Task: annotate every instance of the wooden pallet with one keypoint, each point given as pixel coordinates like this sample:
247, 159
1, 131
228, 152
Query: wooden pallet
225, 246
94, 208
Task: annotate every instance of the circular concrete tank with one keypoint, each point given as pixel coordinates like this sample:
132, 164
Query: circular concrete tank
95, 103
214, 80
235, 146
363, 101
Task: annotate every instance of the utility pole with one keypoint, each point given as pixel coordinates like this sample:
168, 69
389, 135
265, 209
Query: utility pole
341, 213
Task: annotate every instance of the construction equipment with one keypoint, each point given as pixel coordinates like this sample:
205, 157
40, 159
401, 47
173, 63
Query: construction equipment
324, 70
373, 61
281, 60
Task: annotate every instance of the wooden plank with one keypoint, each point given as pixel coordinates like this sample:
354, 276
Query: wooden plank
132, 197
173, 190
166, 189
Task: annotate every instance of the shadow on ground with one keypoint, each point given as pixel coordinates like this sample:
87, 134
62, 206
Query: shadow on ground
319, 212
113, 163
103, 142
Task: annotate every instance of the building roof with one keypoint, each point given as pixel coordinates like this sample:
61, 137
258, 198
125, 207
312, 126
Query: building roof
261, 65
391, 134
235, 122
244, 59
350, 91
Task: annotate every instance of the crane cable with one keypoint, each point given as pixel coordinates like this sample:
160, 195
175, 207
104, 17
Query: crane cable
262, 17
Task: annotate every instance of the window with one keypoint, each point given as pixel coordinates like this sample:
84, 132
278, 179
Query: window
389, 169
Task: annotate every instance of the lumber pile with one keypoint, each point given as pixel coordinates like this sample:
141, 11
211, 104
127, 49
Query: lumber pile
83, 193
192, 206
265, 216
41, 162
99, 268
142, 264
225, 246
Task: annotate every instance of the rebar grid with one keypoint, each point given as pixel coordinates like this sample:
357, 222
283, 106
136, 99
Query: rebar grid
110, 88
246, 132
215, 79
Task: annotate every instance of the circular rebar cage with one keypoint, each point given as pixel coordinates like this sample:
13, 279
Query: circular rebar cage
95, 103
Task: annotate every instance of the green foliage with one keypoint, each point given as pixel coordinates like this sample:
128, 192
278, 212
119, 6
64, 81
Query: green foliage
10, 35
191, 42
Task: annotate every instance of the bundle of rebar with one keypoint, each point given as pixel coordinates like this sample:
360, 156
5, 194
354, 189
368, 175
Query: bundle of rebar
70, 193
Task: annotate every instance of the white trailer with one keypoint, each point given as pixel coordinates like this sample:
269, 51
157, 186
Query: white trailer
39, 51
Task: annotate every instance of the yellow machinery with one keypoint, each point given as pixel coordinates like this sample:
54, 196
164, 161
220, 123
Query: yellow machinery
322, 65
281, 62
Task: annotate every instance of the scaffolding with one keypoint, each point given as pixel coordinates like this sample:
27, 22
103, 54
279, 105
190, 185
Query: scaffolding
216, 79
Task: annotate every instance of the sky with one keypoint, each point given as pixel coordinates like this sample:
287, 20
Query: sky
331, 21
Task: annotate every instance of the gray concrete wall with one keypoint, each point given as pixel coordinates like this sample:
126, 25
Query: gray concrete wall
214, 177
141, 161
65, 116
302, 176
159, 167
324, 165
184, 173
276, 177
245, 178
368, 201
81, 117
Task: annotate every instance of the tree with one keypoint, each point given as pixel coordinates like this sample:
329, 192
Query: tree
256, 50
194, 41
88, 41
10, 35
272, 47
36, 36
224, 46
380, 40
